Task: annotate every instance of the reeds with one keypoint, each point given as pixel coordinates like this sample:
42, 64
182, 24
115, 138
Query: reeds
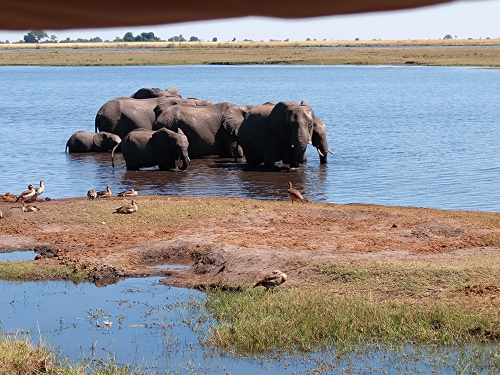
15, 270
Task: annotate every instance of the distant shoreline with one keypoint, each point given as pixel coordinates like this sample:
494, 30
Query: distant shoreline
479, 52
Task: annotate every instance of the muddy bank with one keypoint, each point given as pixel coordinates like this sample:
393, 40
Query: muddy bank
235, 241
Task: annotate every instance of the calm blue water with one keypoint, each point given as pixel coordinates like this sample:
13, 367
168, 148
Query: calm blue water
413, 136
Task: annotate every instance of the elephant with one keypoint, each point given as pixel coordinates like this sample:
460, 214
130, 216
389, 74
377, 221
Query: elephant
122, 115
146, 93
143, 148
281, 132
83, 141
319, 140
211, 129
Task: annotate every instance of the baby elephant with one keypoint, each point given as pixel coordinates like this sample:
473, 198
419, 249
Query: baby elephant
83, 141
143, 148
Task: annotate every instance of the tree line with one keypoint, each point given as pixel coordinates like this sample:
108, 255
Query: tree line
41, 36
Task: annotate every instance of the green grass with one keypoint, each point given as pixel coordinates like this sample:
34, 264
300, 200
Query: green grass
18, 356
15, 270
307, 319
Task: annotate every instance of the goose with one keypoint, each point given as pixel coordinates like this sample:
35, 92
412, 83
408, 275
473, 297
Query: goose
105, 194
272, 281
128, 209
27, 195
294, 194
40, 190
91, 195
128, 193
29, 208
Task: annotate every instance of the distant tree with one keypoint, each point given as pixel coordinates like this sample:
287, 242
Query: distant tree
95, 40
53, 38
150, 37
308, 39
194, 39
179, 38
35, 36
357, 39
128, 37
117, 39
214, 39
234, 40
287, 40
448, 36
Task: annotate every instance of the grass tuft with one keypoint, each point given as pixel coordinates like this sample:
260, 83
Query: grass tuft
306, 319
15, 270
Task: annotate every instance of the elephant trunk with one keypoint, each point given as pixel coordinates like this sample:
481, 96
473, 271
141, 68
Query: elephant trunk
185, 161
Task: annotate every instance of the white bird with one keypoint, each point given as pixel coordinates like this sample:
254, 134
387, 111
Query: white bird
29, 208
272, 281
127, 209
294, 194
41, 189
127, 193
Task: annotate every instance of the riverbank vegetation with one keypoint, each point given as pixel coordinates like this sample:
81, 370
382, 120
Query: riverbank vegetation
438, 52
15, 270
18, 356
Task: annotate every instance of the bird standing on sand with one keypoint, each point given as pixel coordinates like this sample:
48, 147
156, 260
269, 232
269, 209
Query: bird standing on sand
41, 189
294, 194
27, 194
105, 194
128, 193
91, 195
128, 209
29, 208
272, 281
1, 214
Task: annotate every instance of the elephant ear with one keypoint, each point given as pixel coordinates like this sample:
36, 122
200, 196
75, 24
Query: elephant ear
146, 93
233, 117
164, 104
303, 102
98, 139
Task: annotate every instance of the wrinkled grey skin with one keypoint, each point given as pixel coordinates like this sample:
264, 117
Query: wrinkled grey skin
83, 141
146, 93
277, 133
143, 148
122, 115
319, 139
211, 129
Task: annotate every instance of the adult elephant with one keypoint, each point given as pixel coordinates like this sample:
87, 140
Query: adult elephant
83, 141
281, 132
318, 140
211, 129
143, 148
146, 93
122, 115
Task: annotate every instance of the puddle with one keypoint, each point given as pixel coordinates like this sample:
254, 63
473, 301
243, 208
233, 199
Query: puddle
18, 255
165, 264
161, 329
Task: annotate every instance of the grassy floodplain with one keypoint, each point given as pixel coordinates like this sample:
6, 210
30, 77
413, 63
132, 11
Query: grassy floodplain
481, 52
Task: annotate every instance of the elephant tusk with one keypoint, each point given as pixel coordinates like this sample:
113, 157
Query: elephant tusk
331, 152
320, 153
189, 159
309, 142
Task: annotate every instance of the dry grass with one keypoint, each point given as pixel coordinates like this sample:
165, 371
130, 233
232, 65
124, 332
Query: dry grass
438, 52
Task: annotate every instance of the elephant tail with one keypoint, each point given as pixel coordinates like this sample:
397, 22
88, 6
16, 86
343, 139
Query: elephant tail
113, 153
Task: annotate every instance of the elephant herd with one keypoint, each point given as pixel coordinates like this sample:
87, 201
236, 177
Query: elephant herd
155, 127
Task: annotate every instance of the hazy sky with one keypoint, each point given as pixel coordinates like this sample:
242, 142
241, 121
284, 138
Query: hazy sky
465, 19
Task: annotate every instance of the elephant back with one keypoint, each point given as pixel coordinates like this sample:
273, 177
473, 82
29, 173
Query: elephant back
146, 93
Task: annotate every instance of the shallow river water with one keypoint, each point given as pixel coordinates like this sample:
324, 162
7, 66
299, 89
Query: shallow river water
412, 136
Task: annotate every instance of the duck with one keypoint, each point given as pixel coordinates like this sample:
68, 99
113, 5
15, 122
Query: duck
91, 195
40, 190
9, 197
127, 193
272, 281
29, 208
105, 194
27, 194
128, 209
294, 194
